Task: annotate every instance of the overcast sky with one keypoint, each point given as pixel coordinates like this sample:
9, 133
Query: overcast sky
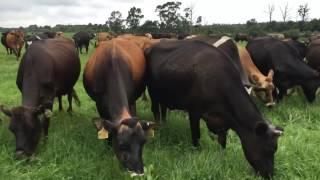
15, 13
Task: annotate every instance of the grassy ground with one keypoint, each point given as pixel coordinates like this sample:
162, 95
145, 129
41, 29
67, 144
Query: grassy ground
74, 152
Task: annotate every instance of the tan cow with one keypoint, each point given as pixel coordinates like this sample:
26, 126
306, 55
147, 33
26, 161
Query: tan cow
103, 36
262, 82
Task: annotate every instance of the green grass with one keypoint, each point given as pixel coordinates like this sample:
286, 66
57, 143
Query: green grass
74, 152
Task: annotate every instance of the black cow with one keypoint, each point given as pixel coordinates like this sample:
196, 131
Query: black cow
300, 47
29, 39
48, 69
313, 55
289, 69
82, 39
200, 79
228, 47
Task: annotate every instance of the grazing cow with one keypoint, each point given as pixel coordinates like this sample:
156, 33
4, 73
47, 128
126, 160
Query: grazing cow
241, 37
200, 79
114, 79
82, 39
163, 35
103, 36
289, 69
313, 55
15, 41
276, 36
29, 39
228, 47
49, 68
300, 47
262, 82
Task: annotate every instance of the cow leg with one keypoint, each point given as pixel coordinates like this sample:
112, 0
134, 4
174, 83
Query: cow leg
133, 109
155, 109
60, 103
194, 119
46, 123
163, 113
70, 102
282, 92
222, 138
87, 48
144, 96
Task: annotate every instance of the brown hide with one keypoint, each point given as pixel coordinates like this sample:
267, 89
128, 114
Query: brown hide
15, 41
103, 36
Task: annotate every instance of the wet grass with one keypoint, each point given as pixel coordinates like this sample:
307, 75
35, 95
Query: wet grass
73, 151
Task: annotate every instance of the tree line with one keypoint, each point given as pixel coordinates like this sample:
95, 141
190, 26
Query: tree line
174, 19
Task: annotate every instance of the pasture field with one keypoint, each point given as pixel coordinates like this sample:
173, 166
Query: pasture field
73, 151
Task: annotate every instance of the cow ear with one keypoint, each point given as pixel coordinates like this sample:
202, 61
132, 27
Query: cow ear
103, 127
148, 127
255, 78
6, 111
261, 128
270, 74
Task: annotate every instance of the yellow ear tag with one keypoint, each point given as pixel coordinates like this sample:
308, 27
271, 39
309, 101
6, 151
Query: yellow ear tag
103, 134
150, 132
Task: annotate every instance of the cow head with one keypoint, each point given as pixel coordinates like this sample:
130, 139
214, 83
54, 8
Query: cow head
260, 146
128, 139
26, 126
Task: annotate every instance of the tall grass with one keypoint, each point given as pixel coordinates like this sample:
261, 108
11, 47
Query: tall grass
73, 151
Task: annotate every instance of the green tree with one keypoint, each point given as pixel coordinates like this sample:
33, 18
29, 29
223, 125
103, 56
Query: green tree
133, 19
115, 23
169, 17
150, 27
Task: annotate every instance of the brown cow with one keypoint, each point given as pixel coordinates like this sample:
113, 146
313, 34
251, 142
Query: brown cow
103, 36
49, 69
114, 79
15, 41
261, 81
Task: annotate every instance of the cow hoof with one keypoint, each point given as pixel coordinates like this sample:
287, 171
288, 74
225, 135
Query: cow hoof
270, 104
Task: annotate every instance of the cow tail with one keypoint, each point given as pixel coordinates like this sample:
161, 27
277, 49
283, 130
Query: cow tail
76, 98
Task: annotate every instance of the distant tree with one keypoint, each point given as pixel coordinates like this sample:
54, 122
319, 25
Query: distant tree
133, 19
270, 11
150, 27
303, 12
251, 22
199, 20
168, 13
115, 23
285, 12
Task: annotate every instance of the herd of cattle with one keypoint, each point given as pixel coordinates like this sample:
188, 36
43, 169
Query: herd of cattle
208, 77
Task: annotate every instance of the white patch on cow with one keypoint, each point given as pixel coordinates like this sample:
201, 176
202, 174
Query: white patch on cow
249, 90
222, 40
29, 42
191, 36
39, 38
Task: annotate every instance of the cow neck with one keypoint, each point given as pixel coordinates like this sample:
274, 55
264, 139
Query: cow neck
116, 92
30, 86
245, 114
